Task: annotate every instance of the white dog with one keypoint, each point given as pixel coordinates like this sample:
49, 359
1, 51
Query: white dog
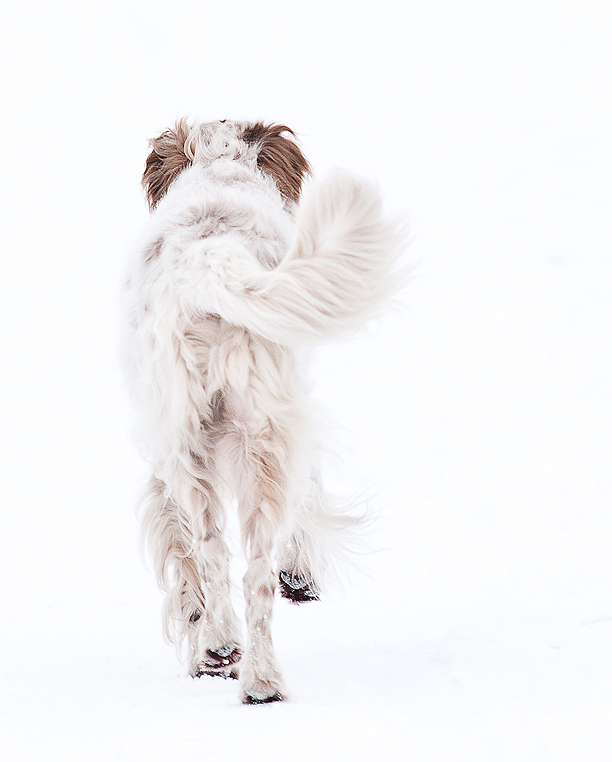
234, 276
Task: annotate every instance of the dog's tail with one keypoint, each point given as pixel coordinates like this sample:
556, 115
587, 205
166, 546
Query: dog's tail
340, 270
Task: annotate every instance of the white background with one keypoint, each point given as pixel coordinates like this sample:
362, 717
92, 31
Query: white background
479, 415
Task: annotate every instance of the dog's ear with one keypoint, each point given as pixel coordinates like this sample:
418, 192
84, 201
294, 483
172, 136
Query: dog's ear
168, 158
279, 157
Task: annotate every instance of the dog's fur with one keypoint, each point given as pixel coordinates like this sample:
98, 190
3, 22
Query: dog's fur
236, 274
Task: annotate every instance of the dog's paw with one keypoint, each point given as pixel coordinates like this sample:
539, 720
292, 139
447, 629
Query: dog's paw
248, 699
297, 589
220, 662
260, 680
261, 692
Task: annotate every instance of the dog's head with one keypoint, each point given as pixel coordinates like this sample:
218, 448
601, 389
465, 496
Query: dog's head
263, 144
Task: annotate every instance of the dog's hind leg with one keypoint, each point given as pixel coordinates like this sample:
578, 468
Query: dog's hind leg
262, 507
217, 650
192, 565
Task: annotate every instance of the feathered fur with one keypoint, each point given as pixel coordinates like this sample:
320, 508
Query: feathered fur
231, 279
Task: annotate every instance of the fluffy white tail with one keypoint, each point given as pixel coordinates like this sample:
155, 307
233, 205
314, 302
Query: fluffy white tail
339, 271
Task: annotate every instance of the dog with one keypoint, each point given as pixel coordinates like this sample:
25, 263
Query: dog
236, 275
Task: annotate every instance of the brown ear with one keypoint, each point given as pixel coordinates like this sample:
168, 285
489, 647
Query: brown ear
165, 162
279, 157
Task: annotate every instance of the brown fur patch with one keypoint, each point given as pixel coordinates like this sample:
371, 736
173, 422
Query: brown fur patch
153, 251
279, 157
165, 162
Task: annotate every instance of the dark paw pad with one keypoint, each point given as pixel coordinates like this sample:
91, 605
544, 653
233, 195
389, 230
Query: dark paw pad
218, 663
265, 700
226, 674
297, 589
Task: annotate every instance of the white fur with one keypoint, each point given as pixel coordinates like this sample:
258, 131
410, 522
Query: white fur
229, 282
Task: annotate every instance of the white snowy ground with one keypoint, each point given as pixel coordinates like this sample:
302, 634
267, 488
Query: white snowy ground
480, 414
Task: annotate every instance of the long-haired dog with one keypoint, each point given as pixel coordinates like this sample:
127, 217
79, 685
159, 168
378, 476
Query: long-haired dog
235, 275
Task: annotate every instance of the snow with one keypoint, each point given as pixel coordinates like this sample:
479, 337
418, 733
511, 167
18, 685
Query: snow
478, 414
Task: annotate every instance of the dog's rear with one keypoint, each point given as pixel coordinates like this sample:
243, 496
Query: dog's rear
233, 276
